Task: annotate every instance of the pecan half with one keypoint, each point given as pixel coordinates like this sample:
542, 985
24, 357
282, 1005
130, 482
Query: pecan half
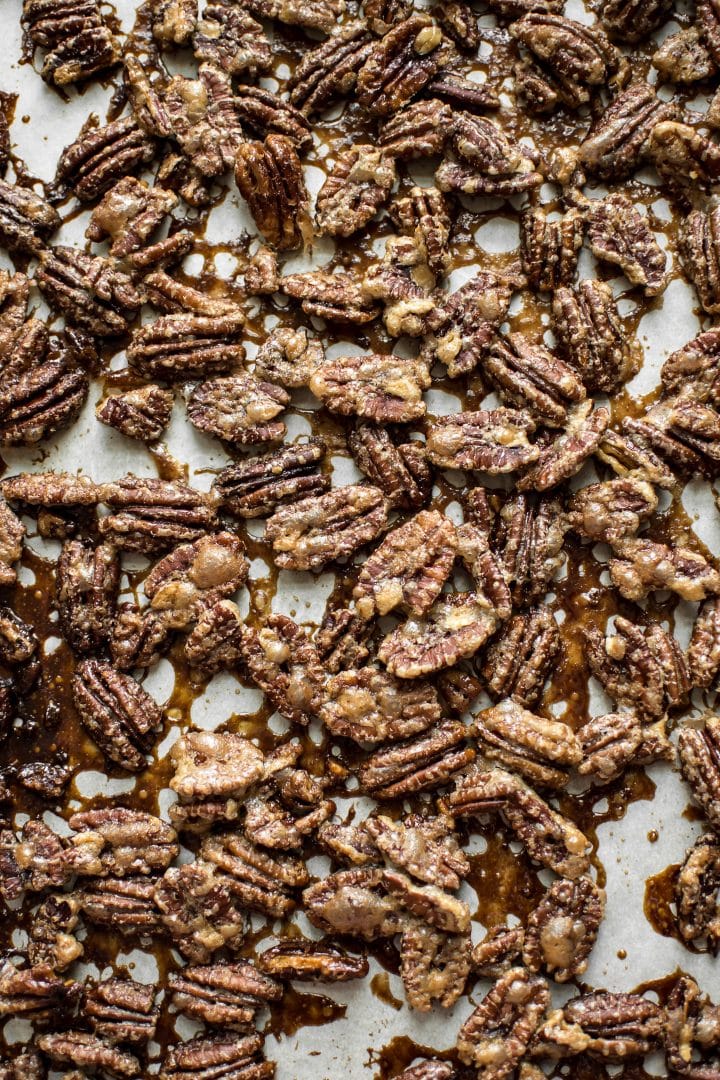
561, 931
499, 951
329, 70
400, 471
618, 233
341, 640
697, 892
87, 584
490, 162
423, 763
423, 214
386, 389
228, 995
258, 880
608, 1026
338, 297
128, 215
420, 129
699, 248
119, 842
401, 64
229, 38
215, 641
310, 14
529, 543
316, 531
453, 629
187, 346
425, 847
120, 716
549, 247
521, 657
288, 357
78, 1048
358, 184
151, 515
684, 158
354, 902
434, 966
529, 376
642, 667
77, 39
270, 179
495, 1037
282, 661
567, 453
88, 290
141, 414
26, 220
100, 156
198, 910
618, 141
227, 1054
699, 750
212, 769
611, 510
122, 1011
368, 705
703, 654
612, 742
125, 905
257, 486
239, 409
632, 20
643, 566
316, 961
493, 441
541, 750
32, 993
265, 113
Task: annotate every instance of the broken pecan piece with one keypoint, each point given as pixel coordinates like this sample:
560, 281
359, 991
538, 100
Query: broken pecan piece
257, 486
618, 233
52, 941
314, 532
26, 220
566, 454
288, 357
32, 993
433, 966
368, 705
609, 744
520, 658
185, 346
493, 441
270, 179
423, 763
120, 716
496, 1036
87, 584
282, 661
643, 566
141, 414
239, 409
265, 113
212, 768
490, 162
402, 472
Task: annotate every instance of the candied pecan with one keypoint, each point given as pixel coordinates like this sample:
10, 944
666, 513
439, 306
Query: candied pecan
52, 941
611, 510
239, 409
228, 995
632, 20
386, 389
88, 290
409, 568
400, 471
141, 414
609, 744
401, 64
187, 346
270, 179
468, 319
700, 765
433, 965
341, 640
100, 156
14, 295
229, 37
330, 70
703, 654
226, 1055
561, 931
694, 367
491, 163
26, 220
404, 283
124, 905
152, 515
201, 115
382, 15
684, 158
19, 644
173, 21
617, 142
338, 297
195, 575
121, 1011
368, 705
541, 750
262, 274
708, 20
349, 844
316, 15
354, 902
697, 892
566, 454
42, 391
493, 441
691, 1030
495, 1037
76, 37
12, 532
198, 910
425, 847
500, 950
128, 215
318, 961
257, 486
139, 637
318, 530
454, 628
643, 566
458, 689
549, 838
642, 667
618, 233
117, 713
45, 779
420, 129
520, 658
628, 455
86, 1051
609, 1026
258, 880
460, 23
549, 248
88, 579
32, 993
528, 376
684, 58
283, 822
265, 113
529, 540
40, 861
169, 295
423, 215
119, 842
575, 58
212, 769
356, 187
422, 763
288, 357
698, 245
215, 641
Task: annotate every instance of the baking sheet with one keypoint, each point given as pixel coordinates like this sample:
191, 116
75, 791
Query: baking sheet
628, 951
